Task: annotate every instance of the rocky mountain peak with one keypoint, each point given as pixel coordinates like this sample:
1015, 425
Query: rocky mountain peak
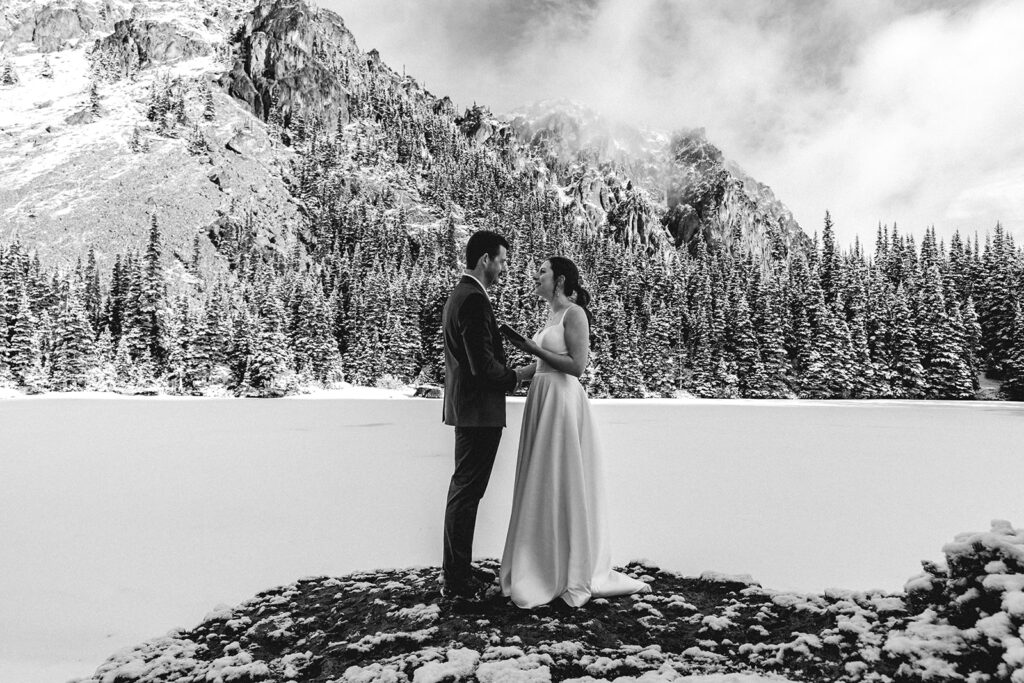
290, 55
624, 179
90, 80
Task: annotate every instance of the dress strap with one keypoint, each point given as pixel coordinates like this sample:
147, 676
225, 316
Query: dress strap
562, 317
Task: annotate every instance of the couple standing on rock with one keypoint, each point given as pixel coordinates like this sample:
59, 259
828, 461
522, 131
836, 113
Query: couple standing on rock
557, 545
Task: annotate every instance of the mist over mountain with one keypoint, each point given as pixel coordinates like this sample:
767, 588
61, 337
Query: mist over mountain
891, 112
81, 108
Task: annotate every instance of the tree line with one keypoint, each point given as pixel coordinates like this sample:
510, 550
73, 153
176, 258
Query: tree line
907, 322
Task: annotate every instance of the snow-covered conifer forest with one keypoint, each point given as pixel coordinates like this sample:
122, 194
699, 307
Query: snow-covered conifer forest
908, 321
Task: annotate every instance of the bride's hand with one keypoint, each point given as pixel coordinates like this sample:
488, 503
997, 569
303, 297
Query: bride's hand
531, 347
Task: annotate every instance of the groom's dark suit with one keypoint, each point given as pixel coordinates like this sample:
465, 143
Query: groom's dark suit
475, 382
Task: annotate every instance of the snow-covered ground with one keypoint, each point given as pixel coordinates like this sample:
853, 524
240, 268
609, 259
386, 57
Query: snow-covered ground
123, 518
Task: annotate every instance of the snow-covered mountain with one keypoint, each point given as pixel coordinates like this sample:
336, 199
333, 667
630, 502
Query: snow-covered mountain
681, 179
112, 111
71, 174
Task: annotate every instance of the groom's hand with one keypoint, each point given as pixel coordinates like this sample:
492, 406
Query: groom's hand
524, 373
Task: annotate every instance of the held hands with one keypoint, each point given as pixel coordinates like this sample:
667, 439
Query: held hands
525, 373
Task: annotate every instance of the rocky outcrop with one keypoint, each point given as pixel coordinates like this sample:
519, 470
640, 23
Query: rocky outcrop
136, 44
55, 26
642, 187
51, 28
290, 57
707, 195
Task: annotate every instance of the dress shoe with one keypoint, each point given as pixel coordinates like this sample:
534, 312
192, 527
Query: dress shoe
468, 590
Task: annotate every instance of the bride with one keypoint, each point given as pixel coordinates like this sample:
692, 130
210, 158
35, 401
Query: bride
557, 544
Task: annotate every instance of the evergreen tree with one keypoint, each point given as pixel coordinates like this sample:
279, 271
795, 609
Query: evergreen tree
798, 327
622, 372
996, 308
657, 355
115, 306
209, 107
829, 266
207, 342
749, 369
94, 98
316, 351
24, 353
771, 339
945, 375
1013, 387
270, 358
136, 319
862, 381
8, 74
972, 341
704, 366
880, 298
93, 296
908, 374
136, 142
827, 373
197, 144
73, 351
153, 294
102, 376
243, 342
967, 373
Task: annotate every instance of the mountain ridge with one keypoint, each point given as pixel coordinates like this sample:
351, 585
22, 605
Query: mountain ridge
280, 67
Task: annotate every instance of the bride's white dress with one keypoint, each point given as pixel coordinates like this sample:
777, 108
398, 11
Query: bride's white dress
557, 543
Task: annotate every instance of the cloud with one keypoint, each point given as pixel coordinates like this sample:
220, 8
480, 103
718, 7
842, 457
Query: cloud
904, 111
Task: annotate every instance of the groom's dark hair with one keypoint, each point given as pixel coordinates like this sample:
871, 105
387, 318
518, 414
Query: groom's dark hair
483, 242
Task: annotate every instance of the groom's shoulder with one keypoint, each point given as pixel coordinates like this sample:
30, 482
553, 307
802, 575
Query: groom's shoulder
467, 295
465, 288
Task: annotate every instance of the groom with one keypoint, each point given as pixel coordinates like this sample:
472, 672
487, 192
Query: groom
475, 382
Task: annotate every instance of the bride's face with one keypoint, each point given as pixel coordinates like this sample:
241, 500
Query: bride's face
544, 280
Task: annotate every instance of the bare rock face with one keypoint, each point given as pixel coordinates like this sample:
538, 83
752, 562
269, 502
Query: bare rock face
50, 28
245, 144
137, 44
55, 26
709, 195
644, 187
611, 174
164, 42
290, 56
476, 124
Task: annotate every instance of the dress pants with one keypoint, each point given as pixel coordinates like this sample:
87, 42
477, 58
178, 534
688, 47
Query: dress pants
475, 448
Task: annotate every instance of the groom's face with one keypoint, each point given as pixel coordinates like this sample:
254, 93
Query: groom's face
495, 267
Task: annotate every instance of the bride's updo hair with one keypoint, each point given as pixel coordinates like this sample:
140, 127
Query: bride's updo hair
561, 266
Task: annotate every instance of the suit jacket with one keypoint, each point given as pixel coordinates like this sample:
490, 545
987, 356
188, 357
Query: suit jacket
475, 375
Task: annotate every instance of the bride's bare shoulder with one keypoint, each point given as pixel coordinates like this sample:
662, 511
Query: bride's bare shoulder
575, 311
576, 316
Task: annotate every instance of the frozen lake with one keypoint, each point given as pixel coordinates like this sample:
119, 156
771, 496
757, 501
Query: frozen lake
121, 519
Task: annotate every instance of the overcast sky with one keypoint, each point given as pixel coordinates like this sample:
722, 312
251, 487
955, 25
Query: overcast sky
906, 111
